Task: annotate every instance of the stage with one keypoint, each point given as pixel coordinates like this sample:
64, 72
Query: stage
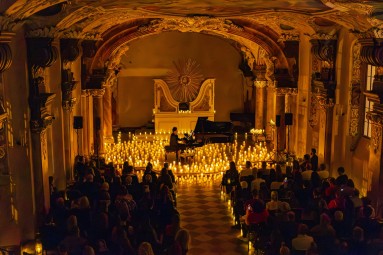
201, 164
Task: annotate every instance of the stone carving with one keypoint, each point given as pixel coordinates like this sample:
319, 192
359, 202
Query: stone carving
113, 66
314, 117
323, 36
376, 136
191, 24
288, 37
248, 56
9, 24
97, 92
286, 91
49, 32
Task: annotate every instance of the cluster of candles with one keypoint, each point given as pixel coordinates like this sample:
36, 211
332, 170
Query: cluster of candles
257, 131
204, 164
184, 111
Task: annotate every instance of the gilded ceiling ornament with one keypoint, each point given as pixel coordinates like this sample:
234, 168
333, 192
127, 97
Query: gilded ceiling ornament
249, 57
46, 32
113, 65
9, 24
185, 80
24, 9
324, 36
288, 37
191, 24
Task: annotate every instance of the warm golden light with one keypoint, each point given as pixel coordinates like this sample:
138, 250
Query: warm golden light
201, 164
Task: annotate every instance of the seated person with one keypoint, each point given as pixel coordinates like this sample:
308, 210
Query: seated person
322, 171
175, 144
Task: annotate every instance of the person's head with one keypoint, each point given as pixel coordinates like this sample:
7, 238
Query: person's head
248, 164
274, 196
338, 216
88, 250
145, 248
166, 165
325, 219
101, 245
175, 130
244, 185
130, 169
84, 202
367, 211
284, 250
232, 165
313, 151
350, 183
303, 229
183, 239
341, 170
322, 167
148, 178
89, 177
291, 216
164, 171
306, 157
358, 234
128, 180
264, 164
105, 186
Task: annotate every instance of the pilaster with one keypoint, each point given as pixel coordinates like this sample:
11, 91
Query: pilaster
69, 53
98, 112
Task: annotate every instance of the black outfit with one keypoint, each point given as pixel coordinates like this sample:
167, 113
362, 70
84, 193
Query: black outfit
314, 162
174, 145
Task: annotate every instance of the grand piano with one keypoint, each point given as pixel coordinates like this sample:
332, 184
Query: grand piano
207, 131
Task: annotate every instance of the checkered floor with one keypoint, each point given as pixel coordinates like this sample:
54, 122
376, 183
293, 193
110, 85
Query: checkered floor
207, 216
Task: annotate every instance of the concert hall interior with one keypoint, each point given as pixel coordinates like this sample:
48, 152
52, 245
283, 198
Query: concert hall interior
191, 127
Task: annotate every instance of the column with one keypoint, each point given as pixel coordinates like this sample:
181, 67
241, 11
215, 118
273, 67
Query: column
87, 130
98, 120
260, 104
280, 110
69, 52
107, 108
270, 115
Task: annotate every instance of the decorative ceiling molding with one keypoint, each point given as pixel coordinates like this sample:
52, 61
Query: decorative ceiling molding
289, 37
190, 24
375, 32
9, 24
23, 9
113, 65
324, 36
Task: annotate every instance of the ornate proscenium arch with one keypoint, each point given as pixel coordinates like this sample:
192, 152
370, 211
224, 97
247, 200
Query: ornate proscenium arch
248, 36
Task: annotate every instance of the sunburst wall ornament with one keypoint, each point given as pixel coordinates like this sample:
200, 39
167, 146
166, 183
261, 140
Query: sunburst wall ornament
185, 80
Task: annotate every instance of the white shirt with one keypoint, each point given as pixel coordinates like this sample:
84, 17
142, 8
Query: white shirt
306, 175
256, 184
302, 242
323, 174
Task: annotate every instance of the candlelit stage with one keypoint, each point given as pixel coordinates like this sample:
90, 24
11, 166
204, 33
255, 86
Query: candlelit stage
204, 164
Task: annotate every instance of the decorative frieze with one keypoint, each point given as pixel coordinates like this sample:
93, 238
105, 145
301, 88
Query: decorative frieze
190, 24
281, 91
97, 92
288, 37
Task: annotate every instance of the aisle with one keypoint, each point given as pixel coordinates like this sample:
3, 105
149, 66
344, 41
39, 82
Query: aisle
209, 221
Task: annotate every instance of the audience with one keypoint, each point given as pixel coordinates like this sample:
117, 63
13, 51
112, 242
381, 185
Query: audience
307, 211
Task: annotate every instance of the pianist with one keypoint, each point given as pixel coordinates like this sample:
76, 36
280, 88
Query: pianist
176, 144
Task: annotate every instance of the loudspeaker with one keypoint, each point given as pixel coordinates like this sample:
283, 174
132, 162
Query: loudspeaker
77, 122
278, 120
97, 123
288, 119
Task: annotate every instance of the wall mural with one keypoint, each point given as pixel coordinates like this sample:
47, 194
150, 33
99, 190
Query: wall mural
184, 80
